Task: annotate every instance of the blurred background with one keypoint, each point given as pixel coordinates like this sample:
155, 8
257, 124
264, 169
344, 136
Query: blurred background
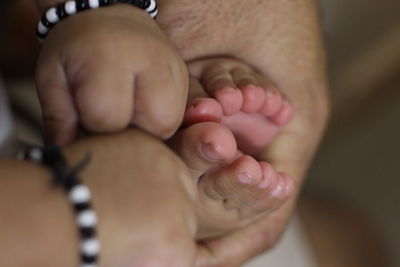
351, 201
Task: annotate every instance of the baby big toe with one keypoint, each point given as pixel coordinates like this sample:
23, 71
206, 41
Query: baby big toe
201, 110
204, 146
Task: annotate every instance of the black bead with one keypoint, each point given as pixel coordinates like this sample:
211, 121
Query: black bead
45, 22
82, 5
104, 2
68, 181
88, 259
42, 37
88, 232
81, 206
61, 12
144, 3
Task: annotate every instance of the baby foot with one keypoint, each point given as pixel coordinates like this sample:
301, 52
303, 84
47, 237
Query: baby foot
243, 100
233, 189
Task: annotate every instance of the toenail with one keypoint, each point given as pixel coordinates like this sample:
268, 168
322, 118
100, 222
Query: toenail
264, 184
289, 189
277, 192
209, 152
197, 101
245, 178
270, 93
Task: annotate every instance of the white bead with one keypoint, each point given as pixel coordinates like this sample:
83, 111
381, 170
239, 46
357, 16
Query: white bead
89, 265
70, 7
35, 154
90, 247
152, 6
86, 218
41, 28
154, 14
94, 3
51, 15
79, 194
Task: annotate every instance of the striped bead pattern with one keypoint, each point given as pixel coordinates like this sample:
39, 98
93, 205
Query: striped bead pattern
79, 196
71, 7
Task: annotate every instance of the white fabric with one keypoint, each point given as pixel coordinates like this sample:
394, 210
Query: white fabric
292, 251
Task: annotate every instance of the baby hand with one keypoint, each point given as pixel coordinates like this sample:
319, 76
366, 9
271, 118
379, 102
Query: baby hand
106, 69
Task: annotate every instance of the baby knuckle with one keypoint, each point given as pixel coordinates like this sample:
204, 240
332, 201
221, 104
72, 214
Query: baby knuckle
57, 117
164, 124
101, 120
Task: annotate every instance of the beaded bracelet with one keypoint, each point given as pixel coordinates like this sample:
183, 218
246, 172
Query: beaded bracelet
69, 8
79, 195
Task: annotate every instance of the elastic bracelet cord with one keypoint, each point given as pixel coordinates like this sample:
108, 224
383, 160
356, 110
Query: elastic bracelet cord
78, 194
63, 10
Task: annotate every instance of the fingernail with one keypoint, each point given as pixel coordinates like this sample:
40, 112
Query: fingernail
209, 152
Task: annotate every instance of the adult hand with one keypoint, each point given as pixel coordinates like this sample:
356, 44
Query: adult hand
284, 43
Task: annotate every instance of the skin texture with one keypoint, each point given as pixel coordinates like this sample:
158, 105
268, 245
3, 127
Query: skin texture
289, 50
132, 234
285, 44
96, 72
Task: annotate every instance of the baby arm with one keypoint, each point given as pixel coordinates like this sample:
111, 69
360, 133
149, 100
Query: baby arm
37, 220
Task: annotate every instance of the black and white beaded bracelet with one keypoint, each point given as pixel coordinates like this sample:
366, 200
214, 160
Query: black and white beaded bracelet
63, 10
78, 194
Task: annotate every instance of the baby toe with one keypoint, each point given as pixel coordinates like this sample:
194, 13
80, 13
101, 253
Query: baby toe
218, 82
272, 103
284, 115
253, 95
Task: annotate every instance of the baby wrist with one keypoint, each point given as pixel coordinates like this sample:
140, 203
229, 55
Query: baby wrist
65, 9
